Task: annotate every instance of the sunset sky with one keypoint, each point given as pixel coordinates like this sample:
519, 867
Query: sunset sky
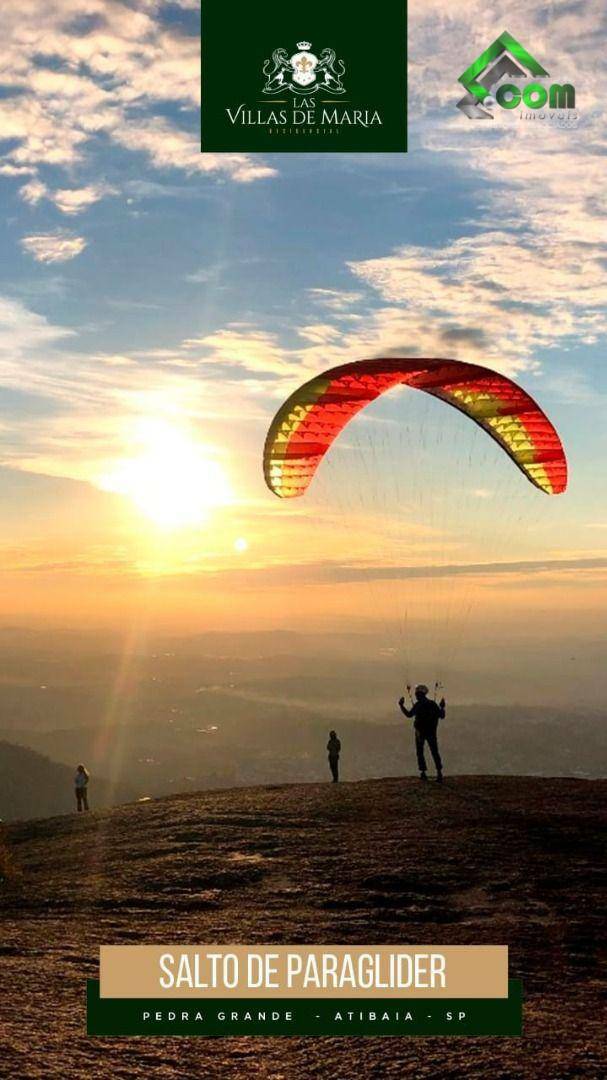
158, 304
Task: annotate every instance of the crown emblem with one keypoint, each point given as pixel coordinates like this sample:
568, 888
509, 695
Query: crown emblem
303, 73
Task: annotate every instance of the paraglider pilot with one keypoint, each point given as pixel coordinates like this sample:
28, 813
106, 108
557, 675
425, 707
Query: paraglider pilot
426, 715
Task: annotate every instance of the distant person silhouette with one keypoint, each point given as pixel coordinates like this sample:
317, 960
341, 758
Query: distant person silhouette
426, 714
81, 781
334, 748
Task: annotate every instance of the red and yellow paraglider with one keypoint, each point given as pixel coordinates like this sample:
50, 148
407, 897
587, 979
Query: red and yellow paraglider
308, 423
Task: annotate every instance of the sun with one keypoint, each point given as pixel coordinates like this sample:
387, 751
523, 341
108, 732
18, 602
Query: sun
171, 478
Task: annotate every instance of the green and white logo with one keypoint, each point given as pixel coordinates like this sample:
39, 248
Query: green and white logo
341, 88
304, 72
507, 76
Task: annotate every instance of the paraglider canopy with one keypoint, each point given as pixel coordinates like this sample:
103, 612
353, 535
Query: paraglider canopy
310, 420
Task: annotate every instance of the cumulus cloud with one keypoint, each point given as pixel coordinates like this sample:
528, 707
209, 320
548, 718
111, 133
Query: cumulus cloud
56, 247
529, 272
334, 299
239, 347
75, 200
74, 74
536, 164
483, 294
22, 331
169, 147
69, 201
33, 192
6, 169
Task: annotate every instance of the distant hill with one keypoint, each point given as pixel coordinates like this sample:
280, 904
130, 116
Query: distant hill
223, 738
32, 785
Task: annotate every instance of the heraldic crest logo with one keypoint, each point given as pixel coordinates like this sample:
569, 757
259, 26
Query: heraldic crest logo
304, 72
269, 88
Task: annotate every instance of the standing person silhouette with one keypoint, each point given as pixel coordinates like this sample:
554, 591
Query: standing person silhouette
426, 715
81, 781
334, 748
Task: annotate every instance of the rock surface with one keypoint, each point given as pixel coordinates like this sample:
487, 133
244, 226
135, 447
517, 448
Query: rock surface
514, 860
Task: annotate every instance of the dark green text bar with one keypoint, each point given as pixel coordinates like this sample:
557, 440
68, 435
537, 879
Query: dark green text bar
335, 1016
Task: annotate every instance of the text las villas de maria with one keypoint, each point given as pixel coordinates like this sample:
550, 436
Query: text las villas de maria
305, 114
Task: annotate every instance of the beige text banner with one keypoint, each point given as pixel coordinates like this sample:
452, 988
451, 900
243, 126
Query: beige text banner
303, 971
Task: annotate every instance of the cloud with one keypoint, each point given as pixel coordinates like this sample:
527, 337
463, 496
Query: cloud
75, 200
240, 347
76, 75
33, 192
70, 201
334, 299
96, 400
24, 333
206, 274
329, 572
54, 247
530, 273
472, 296
169, 147
27, 341
15, 170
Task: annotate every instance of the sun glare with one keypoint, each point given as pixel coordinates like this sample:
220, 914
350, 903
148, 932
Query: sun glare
172, 479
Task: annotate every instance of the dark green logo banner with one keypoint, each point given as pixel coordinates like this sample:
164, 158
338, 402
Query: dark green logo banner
338, 1016
325, 77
